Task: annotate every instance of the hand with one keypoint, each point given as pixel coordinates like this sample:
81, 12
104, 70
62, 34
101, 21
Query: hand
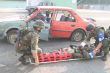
96, 51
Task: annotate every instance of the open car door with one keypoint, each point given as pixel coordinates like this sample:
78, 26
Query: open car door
45, 32
41, 15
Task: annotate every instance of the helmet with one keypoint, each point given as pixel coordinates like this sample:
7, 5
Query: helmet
89, 27
39, 24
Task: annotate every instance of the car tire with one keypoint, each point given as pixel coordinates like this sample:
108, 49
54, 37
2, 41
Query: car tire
78, 36
11, 36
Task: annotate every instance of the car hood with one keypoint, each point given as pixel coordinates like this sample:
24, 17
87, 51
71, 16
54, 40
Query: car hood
90, 21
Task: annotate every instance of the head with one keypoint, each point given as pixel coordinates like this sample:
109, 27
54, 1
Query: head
38, 26
90, 28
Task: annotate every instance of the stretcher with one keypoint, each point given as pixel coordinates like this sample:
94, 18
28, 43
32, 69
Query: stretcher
57, 56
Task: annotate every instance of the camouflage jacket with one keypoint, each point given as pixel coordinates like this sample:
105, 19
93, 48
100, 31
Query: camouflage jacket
27, 39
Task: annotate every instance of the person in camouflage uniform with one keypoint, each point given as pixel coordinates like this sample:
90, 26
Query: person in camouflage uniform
27, 42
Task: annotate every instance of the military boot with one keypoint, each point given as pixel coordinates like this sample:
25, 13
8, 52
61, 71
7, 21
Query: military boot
23, 60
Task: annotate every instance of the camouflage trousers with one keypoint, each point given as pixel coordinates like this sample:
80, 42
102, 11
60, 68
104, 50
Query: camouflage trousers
105, 47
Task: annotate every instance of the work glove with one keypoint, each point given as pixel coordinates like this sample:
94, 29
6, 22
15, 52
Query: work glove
92, 55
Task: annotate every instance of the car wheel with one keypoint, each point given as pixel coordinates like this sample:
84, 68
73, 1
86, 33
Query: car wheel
11, 36
78, 36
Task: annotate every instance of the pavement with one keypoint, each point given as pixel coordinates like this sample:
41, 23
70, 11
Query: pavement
9, 61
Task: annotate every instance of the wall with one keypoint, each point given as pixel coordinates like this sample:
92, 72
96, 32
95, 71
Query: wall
12, 4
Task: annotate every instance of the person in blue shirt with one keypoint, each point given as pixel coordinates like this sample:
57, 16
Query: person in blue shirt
101, 43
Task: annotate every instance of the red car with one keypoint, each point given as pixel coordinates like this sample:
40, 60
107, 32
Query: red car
60, 22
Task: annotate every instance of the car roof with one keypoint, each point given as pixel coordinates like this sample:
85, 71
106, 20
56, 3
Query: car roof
54, 7
50, 7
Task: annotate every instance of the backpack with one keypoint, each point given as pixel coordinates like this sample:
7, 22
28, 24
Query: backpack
21, 44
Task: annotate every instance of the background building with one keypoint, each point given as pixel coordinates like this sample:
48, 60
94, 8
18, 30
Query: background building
24, 3
94, 4
12, 3
82, 4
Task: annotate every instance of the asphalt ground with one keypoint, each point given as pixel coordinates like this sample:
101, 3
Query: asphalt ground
9, 61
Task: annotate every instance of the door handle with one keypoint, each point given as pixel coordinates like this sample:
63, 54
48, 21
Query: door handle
72, 25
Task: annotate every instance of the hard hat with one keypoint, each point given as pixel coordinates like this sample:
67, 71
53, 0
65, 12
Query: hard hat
39, 24
89, 27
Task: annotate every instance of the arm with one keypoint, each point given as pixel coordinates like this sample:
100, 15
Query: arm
97, 48
34, 47
100, 39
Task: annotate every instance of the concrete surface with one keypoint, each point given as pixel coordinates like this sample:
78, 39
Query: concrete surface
9, 61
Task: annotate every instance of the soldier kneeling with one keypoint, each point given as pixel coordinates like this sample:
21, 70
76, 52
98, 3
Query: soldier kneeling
28, 43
